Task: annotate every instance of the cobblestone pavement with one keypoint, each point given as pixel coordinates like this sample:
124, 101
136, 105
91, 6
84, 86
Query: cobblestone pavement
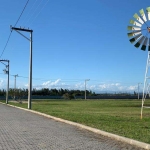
22, 130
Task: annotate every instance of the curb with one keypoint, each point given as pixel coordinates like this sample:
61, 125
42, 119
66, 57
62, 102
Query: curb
94, 130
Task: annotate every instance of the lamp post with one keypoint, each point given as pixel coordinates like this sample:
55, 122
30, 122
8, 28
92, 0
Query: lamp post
15, 86
138, 89
85, 86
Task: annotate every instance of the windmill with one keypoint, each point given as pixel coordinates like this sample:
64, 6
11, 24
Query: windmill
139, 35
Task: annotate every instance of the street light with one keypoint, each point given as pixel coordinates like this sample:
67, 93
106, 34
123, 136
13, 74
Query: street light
15, 86
85, 86
138, 89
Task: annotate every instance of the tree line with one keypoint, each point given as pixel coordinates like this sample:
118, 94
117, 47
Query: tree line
65, 93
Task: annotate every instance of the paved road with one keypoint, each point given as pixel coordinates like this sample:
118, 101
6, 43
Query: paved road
22, 130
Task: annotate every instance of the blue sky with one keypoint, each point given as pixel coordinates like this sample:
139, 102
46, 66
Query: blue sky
73, 40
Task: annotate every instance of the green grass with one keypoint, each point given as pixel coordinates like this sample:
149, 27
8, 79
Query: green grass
121, 117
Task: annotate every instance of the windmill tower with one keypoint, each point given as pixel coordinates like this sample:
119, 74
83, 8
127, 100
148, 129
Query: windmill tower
139, 34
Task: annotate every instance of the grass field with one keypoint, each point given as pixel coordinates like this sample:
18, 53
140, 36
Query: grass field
121, 117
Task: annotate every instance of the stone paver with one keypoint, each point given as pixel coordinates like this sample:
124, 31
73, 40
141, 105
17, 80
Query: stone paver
22, 130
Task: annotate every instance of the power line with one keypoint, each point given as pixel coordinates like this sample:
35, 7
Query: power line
6, 44
39, 12
77, 80
14, 26
42, 79
21, 13
29, 12
34, 11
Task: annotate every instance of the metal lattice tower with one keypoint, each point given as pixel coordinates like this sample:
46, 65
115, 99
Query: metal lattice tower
146, 88
139, 34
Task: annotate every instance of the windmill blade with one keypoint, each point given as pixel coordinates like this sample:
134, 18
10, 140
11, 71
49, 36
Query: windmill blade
135, 38
134, 33
139, 42
144, 44
143, 16
133, 28
138, 18
148, 12
135, 23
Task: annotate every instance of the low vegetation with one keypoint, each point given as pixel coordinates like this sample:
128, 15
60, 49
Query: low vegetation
121, 117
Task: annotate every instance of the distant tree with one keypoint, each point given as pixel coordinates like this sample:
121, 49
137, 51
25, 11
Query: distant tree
54, 92
34, 91
45, 91
11, 93
2, 92
61, 92
68, 96
18, 94
135, 93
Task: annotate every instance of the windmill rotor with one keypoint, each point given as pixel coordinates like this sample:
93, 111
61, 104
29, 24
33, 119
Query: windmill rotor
139, 29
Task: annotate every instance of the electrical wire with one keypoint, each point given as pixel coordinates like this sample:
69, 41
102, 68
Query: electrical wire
34, 11
75, 80
39, 12
21, 13
66, 80
27, 21
6, 44
41, 79
29, 12
11, 30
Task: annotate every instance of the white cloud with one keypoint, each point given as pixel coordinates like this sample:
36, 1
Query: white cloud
46, 83
105, 87
133, 88
79, 86
55, 82
109, 86
3, 83
52, 84
26, 85
112, 87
